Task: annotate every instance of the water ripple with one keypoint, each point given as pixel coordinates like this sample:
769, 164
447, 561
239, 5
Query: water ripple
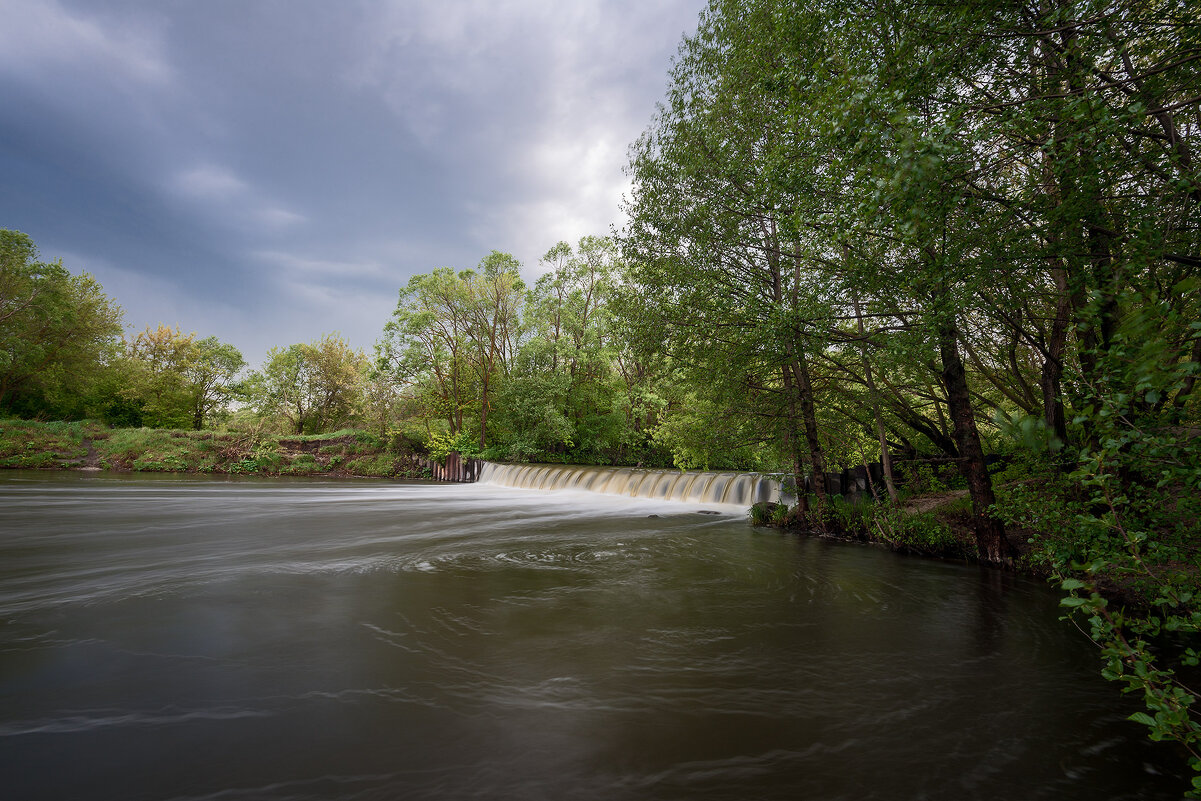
102, 719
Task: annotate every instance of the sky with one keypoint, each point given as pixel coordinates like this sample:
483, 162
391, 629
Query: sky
270, 171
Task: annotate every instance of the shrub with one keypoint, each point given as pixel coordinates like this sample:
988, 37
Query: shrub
919, 532
380, 465
767, 513
302, 464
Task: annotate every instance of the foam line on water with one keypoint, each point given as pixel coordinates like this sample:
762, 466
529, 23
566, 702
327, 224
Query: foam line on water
707, 487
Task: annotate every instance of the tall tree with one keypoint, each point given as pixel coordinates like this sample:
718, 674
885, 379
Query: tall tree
453, 338
712, 247
493, 310
210, 375
169, 379
58, 332
157, 359
570, 337
424, 346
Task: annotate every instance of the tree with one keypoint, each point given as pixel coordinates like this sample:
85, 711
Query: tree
715, 261
493, 310
424, 349
58, 333
172, 380
571, 346
154, 378
210, 374
453, 338
312, 387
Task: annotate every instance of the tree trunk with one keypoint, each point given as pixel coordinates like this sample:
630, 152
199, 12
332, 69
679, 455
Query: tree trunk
817, 459
800, 374
990, 531
483, 425
1052, 372
791, 440
885, 457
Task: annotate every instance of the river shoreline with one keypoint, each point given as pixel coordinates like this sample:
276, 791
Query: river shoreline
94, 447
932, 525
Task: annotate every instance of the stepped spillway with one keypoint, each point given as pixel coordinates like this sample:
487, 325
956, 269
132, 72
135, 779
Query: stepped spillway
742, 489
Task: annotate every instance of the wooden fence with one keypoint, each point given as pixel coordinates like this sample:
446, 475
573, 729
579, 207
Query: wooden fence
457, 469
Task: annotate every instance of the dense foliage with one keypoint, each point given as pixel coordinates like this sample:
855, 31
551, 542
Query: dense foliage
962, 227
58, 331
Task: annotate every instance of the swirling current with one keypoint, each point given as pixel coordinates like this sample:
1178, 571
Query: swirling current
209, 639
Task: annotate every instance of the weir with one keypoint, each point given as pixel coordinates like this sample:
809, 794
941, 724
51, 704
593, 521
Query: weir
744, 489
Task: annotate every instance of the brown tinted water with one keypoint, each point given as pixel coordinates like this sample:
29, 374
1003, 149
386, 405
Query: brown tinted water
185, 638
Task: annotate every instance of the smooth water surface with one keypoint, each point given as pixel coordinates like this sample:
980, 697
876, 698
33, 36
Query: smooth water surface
185, 638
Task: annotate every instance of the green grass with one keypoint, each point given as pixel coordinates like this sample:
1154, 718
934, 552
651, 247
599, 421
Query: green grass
36, 445
31, 444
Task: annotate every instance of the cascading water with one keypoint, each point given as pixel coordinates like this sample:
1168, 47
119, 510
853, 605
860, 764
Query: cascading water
742, 489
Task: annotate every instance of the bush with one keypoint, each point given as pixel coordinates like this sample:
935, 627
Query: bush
918, 532
302, 464
845, 517
401, 444
145, 449
767, 513
380, 465
369, 443
924, 478
441, 444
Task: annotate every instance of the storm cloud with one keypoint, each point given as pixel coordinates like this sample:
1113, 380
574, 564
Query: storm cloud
267, 172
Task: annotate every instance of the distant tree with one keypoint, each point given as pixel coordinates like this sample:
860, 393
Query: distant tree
424, 347
570, 347
172, 380
210, 375
311, 387
153, 376
494, 298
452, 340
58, 333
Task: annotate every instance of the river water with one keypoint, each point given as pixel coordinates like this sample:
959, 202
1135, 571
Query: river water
184, 638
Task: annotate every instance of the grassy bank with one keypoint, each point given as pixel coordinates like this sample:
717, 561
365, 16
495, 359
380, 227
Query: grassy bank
937, 524
932, 520
1047, 520
90, 445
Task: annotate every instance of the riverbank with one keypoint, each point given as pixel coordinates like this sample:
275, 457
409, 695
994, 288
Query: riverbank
934, 524
937, 524
933, 521
94, 446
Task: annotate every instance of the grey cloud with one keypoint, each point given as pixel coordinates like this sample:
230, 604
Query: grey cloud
274, 170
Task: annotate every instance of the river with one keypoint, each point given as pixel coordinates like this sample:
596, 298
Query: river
205, 638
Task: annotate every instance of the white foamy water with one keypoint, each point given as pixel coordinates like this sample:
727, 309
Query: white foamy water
724, 488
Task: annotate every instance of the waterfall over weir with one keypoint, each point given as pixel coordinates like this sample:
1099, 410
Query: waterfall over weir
743, 489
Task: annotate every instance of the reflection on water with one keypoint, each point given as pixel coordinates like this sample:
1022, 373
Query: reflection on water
170, 638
